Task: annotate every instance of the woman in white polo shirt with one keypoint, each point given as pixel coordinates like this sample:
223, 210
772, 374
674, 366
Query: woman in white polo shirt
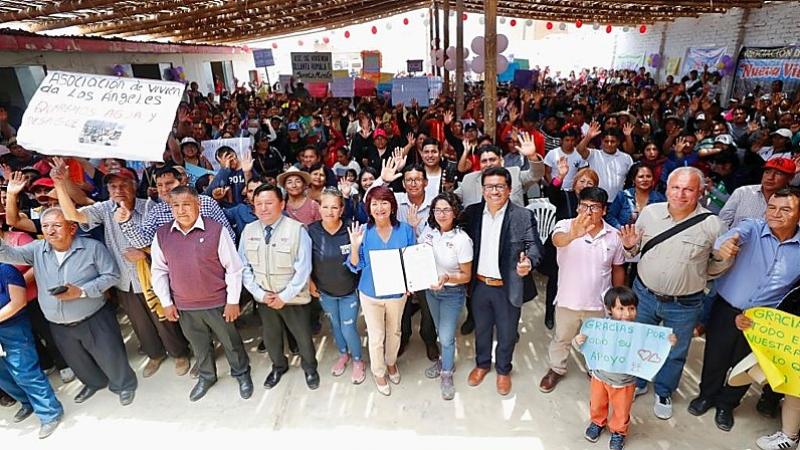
452, 249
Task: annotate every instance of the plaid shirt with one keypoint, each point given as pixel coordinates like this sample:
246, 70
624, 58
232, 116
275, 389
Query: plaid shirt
141, 235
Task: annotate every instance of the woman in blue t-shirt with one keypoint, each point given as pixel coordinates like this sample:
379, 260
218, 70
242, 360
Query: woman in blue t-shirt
382, 314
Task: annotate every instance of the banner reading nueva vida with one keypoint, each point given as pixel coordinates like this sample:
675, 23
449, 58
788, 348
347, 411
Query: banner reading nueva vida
760, 66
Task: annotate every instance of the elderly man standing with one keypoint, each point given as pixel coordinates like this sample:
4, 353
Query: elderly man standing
276, 252
506, 249
156, 335
72, 273
197, 276
675, 241
766, 255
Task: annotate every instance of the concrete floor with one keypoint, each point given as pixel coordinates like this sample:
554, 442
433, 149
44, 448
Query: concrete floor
341, 415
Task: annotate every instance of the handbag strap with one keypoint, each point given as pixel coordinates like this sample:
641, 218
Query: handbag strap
663, 236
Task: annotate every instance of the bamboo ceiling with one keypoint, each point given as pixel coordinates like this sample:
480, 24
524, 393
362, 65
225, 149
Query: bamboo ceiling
238, 21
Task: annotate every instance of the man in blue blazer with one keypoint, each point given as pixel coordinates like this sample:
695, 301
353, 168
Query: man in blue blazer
506, 248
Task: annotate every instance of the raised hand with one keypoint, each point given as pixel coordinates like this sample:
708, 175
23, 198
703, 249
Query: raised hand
513, 114
627, 129
594, 129
563, 167
681, 145
448, 117
356, 233
413, 217
247, 162
389, 169
59, 170
700, 135
527, 145
122, 214
730, 248
16, 183
580, 226
220, 192
524, 265
399, 157
630, 236
345, 187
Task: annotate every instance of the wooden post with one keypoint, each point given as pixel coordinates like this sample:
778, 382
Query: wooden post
446, 30
490, 72
459, 58
436, 28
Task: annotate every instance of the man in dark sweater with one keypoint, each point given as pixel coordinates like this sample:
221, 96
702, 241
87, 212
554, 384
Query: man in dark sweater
202, 290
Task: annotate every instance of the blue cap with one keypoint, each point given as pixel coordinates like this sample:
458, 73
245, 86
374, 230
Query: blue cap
294, 126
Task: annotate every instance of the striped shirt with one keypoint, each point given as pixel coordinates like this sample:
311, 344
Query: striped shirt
746, 202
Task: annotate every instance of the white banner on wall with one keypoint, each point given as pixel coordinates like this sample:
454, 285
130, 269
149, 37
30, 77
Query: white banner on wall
98, 116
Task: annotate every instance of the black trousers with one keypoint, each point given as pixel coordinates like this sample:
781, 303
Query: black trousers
297, 320
494, 314
46, 348
427, 329
201, 327
94, 350
725, 347
157, 337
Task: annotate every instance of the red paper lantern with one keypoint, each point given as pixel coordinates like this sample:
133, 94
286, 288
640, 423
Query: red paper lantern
405, 21
608, 28
549, 25
347, 35
513, 22
643, 29
274, 45
464, 16
578, 23
326, 39
374, 30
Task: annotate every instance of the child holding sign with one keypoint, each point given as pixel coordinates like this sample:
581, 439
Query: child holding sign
613, 390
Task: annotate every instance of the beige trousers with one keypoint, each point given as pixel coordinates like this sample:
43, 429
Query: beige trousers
383, 319
568, 325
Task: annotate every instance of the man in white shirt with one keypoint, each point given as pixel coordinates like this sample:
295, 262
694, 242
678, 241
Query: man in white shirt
611, 164
567, 150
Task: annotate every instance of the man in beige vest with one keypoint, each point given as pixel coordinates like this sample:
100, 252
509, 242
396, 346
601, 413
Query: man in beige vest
276, 253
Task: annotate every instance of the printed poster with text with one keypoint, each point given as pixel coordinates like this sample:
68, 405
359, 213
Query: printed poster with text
316, 66
760, 66
775, 340
625, 347
98, 116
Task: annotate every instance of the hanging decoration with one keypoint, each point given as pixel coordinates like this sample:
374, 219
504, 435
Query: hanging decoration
326, 39
578, 23
529, 23
549, 25
513, 22
374, 29
625, 29
274, 45
562, 26
347, 35
643, 29
405, 21
389, 26
595, 26
608, 28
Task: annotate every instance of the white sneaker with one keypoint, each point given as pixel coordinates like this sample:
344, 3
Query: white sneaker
640, 391
67, 375
777, 441
663, 407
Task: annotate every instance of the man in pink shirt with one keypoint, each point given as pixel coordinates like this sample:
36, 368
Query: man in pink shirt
592, 251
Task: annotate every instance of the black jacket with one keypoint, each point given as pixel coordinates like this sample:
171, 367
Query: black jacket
518, 234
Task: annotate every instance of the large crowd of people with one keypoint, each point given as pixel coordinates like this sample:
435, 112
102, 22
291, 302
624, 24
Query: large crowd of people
673, 206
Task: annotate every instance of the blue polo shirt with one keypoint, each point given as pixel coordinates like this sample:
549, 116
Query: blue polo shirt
9, 275
765, 268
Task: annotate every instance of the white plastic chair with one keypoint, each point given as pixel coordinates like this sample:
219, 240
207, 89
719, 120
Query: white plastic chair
545, 213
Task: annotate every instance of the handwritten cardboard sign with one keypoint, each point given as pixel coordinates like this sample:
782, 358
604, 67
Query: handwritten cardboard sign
775, 340
312, 66
625, 347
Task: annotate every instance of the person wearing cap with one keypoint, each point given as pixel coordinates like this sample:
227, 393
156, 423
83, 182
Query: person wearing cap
157, 336
751, 201
380, 152
292, 143
267, 159
469, 140
190, 154
781, 147
765, 258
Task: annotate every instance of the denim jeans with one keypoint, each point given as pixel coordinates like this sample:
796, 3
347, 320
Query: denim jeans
343, 314
445, 307
681, 317
20, 375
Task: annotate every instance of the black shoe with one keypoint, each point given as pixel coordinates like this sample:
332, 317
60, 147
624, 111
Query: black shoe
433, 352
468, 326
724, 419
6, 400
23, 413
699, 406
274, 377
293, 348
261, 347
245, 386
312, 380
200, 389
549, 322
126, 397
85, 394
767, 405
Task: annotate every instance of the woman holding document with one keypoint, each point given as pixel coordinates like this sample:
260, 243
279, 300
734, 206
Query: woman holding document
383, 313
452, 250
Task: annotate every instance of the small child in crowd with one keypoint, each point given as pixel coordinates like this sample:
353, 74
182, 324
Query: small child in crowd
614, 391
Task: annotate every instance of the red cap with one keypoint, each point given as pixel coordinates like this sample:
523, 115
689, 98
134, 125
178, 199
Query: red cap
45, 182
380, 132
122, 173
784, 165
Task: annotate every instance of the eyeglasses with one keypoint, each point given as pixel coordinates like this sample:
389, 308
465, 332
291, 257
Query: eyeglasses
590, 208
495, 187
413, 180
441, 211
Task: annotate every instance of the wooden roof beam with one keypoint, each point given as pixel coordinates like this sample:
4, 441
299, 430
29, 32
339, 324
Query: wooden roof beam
53, 8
